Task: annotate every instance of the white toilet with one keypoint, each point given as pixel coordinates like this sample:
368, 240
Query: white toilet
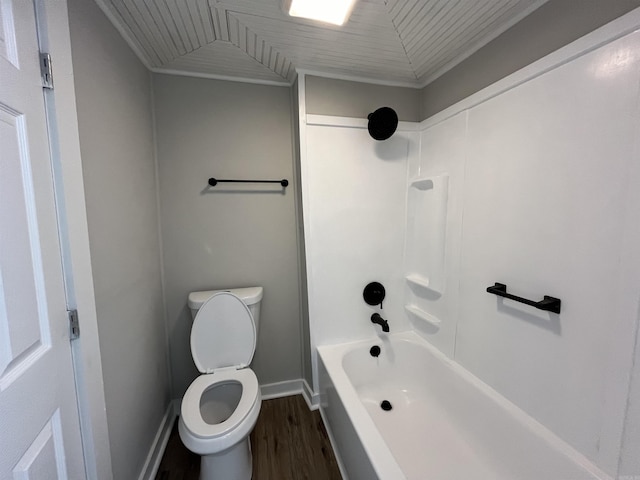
221, 406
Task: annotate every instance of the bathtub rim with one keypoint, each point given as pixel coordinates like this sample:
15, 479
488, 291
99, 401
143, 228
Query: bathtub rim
380, 456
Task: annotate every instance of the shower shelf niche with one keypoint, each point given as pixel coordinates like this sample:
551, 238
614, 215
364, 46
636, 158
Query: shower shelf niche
417, 279
422, 183
427, 203
422, 315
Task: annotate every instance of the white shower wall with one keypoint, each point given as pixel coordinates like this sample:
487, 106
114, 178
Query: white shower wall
541, 175
354, 212
544, 176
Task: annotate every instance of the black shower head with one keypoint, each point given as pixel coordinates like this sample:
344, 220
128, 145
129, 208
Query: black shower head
382, 123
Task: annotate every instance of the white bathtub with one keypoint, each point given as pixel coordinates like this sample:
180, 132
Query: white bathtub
444, 423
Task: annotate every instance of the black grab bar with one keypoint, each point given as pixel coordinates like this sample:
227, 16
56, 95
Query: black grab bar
214, 181
549, 304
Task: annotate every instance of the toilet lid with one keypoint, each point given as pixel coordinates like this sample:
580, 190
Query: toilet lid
223, 334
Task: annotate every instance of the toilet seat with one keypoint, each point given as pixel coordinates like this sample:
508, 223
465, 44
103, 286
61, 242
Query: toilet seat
223, 334
190, 408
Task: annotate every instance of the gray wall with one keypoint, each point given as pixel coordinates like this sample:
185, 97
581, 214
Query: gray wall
555, 24
327, 96
228, 236
113, 92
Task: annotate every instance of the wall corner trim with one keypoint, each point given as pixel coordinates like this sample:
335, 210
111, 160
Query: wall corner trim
291, 387
312, 398
225, 78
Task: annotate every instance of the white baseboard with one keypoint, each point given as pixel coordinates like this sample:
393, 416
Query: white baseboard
291, 387
312, 399
151, 464
281, 389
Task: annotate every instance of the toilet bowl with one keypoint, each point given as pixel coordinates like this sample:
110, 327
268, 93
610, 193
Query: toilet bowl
221, 406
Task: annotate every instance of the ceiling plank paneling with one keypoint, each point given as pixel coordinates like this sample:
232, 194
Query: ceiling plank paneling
223, 59
184, 24
401, 41
146, 36
128, 23
163, 44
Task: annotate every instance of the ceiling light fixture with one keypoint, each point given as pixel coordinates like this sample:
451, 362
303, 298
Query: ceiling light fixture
335, 12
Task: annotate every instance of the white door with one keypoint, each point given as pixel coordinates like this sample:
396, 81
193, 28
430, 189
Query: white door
39, 426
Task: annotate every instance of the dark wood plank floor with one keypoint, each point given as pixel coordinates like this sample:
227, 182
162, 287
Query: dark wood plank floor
289, 442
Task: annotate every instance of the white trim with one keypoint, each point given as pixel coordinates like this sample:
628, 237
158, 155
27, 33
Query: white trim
54, 35
611, 31
154, 457
312, 399
302, 292
336, 453
123, 33
281, 389
212, 76
355, 78
630, 397
335, 121
294, 76
353, 122
302, 124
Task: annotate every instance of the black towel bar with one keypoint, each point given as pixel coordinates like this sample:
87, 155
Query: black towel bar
549, 304
214, 181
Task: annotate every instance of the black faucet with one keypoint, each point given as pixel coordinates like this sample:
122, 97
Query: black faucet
376, 318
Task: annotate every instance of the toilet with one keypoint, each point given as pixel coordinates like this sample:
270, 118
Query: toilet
221, 406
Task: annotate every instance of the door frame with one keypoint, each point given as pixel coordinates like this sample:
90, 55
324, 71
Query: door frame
62, 124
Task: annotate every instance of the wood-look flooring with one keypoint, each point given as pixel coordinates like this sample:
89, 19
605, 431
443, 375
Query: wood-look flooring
289, 442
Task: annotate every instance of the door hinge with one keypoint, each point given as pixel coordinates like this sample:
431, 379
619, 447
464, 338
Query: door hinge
46, 71
74, 324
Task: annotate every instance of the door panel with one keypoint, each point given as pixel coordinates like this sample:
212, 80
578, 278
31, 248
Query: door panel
39, 426
23, 323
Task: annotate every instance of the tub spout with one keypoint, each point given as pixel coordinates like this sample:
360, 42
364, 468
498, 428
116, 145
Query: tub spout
376, 318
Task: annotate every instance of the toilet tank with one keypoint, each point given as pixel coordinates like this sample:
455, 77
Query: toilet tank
251, 296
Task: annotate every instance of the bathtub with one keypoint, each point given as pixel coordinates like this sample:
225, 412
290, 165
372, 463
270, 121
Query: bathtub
444, 424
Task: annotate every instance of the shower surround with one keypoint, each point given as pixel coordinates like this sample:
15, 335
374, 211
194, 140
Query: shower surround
529, 183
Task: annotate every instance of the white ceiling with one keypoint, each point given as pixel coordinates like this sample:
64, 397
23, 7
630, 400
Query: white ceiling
402, 42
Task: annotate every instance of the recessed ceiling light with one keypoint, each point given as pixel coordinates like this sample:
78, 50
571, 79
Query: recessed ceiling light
329, 11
